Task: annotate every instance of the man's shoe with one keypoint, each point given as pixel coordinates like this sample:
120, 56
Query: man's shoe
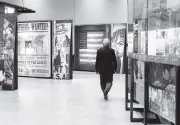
105, 95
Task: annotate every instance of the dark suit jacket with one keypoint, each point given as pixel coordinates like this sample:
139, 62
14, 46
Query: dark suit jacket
106, 61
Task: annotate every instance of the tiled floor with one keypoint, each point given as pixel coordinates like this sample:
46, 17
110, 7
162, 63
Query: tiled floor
53, 102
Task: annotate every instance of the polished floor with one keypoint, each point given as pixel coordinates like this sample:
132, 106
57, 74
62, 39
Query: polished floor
54, 102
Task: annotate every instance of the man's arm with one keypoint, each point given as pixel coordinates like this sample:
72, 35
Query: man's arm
97, 62
114, 61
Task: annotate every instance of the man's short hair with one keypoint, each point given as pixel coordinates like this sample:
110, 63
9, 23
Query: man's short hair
106, 42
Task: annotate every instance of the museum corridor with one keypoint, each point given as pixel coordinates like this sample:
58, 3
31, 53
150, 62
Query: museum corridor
56, 102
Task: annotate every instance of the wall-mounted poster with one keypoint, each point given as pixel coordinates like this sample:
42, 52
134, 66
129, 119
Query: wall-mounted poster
139, 81
62, 50
162, 86
34, 49
7, 50
118, 41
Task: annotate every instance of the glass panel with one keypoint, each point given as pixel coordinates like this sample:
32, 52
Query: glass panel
164, 27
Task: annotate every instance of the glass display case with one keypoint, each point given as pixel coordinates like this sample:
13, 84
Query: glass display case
156, 45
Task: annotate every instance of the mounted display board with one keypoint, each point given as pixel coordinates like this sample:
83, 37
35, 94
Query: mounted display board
8, 50
118, 41
62, 50
34, 49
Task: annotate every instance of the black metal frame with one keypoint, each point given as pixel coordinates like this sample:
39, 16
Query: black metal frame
132, 100
51, 44
144, 110
177, 119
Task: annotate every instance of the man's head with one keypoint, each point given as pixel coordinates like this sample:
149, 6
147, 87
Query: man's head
106, 42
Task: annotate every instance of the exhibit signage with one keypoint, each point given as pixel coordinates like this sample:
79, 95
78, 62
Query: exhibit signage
61, 49
118, 41
34, 49
7, 49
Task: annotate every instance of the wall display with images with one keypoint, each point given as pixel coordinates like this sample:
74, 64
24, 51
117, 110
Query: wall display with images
34, 45
139, 81
162, 86
164, 42
118, 41
62, 50
7, 50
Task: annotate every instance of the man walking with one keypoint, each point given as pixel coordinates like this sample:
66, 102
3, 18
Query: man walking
106, 66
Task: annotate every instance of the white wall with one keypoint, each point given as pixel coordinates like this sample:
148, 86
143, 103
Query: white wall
49, 10
100, 11
85, 11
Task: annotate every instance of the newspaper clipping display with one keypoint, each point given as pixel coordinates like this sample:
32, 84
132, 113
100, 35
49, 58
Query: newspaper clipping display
34, 49
7, 49
61, 50
162, 81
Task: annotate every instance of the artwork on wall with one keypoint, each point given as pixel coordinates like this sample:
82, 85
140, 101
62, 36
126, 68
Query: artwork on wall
34, 45
7, 50
61, 49
90, 42
139, 81
118, 41
162, 85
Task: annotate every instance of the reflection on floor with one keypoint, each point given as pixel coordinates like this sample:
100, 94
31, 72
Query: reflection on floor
53, 102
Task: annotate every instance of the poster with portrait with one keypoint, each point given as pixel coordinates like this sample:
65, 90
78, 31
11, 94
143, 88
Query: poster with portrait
139, 81
162, 89
7, 50
118, 41
61, 50
34, 49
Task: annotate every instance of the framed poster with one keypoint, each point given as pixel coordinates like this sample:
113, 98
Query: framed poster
34, 49
62, 50
8, 50
118, 41
162, 89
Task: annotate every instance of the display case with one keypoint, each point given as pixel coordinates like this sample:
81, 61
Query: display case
156, 39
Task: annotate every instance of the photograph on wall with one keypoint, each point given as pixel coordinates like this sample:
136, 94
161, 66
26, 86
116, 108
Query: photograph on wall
139, 81
34, 49
162, 86
61, 50
7, 50
118, 41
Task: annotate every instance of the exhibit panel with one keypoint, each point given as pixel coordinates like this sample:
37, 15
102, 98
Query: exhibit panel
162, 89
88, 40
34, 49
7, 51
62, 50
117, 43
